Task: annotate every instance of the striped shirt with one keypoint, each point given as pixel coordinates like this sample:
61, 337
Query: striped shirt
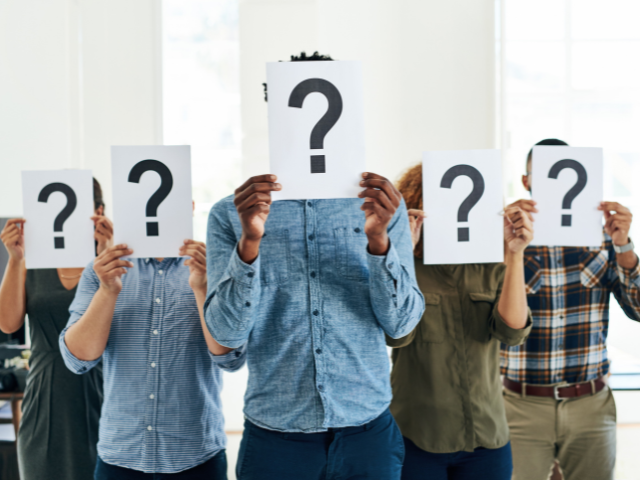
162, 410
568, 291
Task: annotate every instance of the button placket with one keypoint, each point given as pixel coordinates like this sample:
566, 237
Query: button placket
315, 295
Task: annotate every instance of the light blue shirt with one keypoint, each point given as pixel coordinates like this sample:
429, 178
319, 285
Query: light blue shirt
161, 410
312, 309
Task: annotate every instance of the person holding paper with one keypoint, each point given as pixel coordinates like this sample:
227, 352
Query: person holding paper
162, 369
57, 404
557, 401
310, 287
446, 376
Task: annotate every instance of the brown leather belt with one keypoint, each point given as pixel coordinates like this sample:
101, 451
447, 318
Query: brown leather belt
559, 392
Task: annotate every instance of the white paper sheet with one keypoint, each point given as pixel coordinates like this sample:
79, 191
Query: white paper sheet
150, 225
340, 152
447, 184
582, 168
58, 206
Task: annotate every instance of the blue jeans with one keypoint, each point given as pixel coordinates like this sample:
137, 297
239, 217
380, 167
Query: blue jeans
373, 451
213, 469
481, 464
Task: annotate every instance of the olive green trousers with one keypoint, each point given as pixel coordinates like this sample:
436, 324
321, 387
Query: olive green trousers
580, 433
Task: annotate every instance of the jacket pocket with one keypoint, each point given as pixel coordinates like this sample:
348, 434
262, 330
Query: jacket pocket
593, 268
275, 257
432, 325
482, 304
351, 252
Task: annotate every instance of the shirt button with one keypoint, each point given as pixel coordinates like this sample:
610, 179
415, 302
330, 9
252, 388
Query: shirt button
250, 274
152, 396
247, 304
309, 204
157, 300
149, 428
313, 274
153, 364
357, 230
320, 388
155, 332
318, 351
391, 265
316, 312
311, 237
393, 295
160, 272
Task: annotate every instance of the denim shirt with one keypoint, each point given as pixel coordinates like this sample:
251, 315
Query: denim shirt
313, 309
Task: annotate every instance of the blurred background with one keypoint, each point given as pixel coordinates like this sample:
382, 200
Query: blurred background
77, 76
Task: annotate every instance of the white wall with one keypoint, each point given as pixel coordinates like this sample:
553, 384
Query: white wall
76, 76
429, 70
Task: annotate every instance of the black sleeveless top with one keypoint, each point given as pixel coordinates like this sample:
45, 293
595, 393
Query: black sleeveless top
60, 412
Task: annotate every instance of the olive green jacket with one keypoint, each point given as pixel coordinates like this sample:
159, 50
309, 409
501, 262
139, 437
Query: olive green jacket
447, 395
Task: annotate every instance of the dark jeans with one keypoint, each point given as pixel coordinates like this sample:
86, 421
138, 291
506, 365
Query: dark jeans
481, 464
373, 451
213, 469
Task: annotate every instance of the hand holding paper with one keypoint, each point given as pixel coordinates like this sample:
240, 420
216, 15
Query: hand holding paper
518, 230
253, 203
12, 237
109, 267
381, 200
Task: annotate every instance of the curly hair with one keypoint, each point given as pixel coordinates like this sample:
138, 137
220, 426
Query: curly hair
410, 186
315, 56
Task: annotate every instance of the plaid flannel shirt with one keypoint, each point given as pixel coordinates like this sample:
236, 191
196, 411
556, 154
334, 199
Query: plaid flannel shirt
568, 291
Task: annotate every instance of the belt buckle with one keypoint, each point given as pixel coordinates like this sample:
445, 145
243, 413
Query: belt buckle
556, 392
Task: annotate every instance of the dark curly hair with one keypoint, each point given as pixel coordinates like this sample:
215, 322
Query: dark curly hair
314, 57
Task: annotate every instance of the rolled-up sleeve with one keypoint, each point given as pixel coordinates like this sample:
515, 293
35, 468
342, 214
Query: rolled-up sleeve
506, 334
233, 285
232, 361
87, 288
627, 290
395, 297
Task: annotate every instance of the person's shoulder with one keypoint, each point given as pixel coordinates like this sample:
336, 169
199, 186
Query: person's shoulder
222, 207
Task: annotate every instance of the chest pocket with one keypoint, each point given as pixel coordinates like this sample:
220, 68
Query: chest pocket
275, 257
482, 304
532, 275
351, 252
593, 268
432, 325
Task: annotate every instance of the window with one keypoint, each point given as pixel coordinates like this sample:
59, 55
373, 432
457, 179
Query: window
201, 95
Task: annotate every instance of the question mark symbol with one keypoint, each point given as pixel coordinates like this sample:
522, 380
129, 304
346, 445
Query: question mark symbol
471, 200
575, 190
326, 123
65, 213
166, 184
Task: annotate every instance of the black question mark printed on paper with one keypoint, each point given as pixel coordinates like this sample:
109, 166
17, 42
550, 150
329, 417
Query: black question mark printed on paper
65, 213
575, 190
166, 184
326, 123
469, 202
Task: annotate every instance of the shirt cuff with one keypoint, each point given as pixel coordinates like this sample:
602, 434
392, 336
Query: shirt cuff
72, 362
630, 276
389, 263
509, 335
242, 272
229, 357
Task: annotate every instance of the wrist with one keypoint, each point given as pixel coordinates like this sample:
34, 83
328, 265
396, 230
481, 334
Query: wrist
109, 291
514, 257
16, 262
248, 249
379, 243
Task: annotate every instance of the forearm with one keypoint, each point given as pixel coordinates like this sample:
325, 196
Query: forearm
627, 260
214, 347
87, 338
379, 244
248, 250
13, 296
512, 306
